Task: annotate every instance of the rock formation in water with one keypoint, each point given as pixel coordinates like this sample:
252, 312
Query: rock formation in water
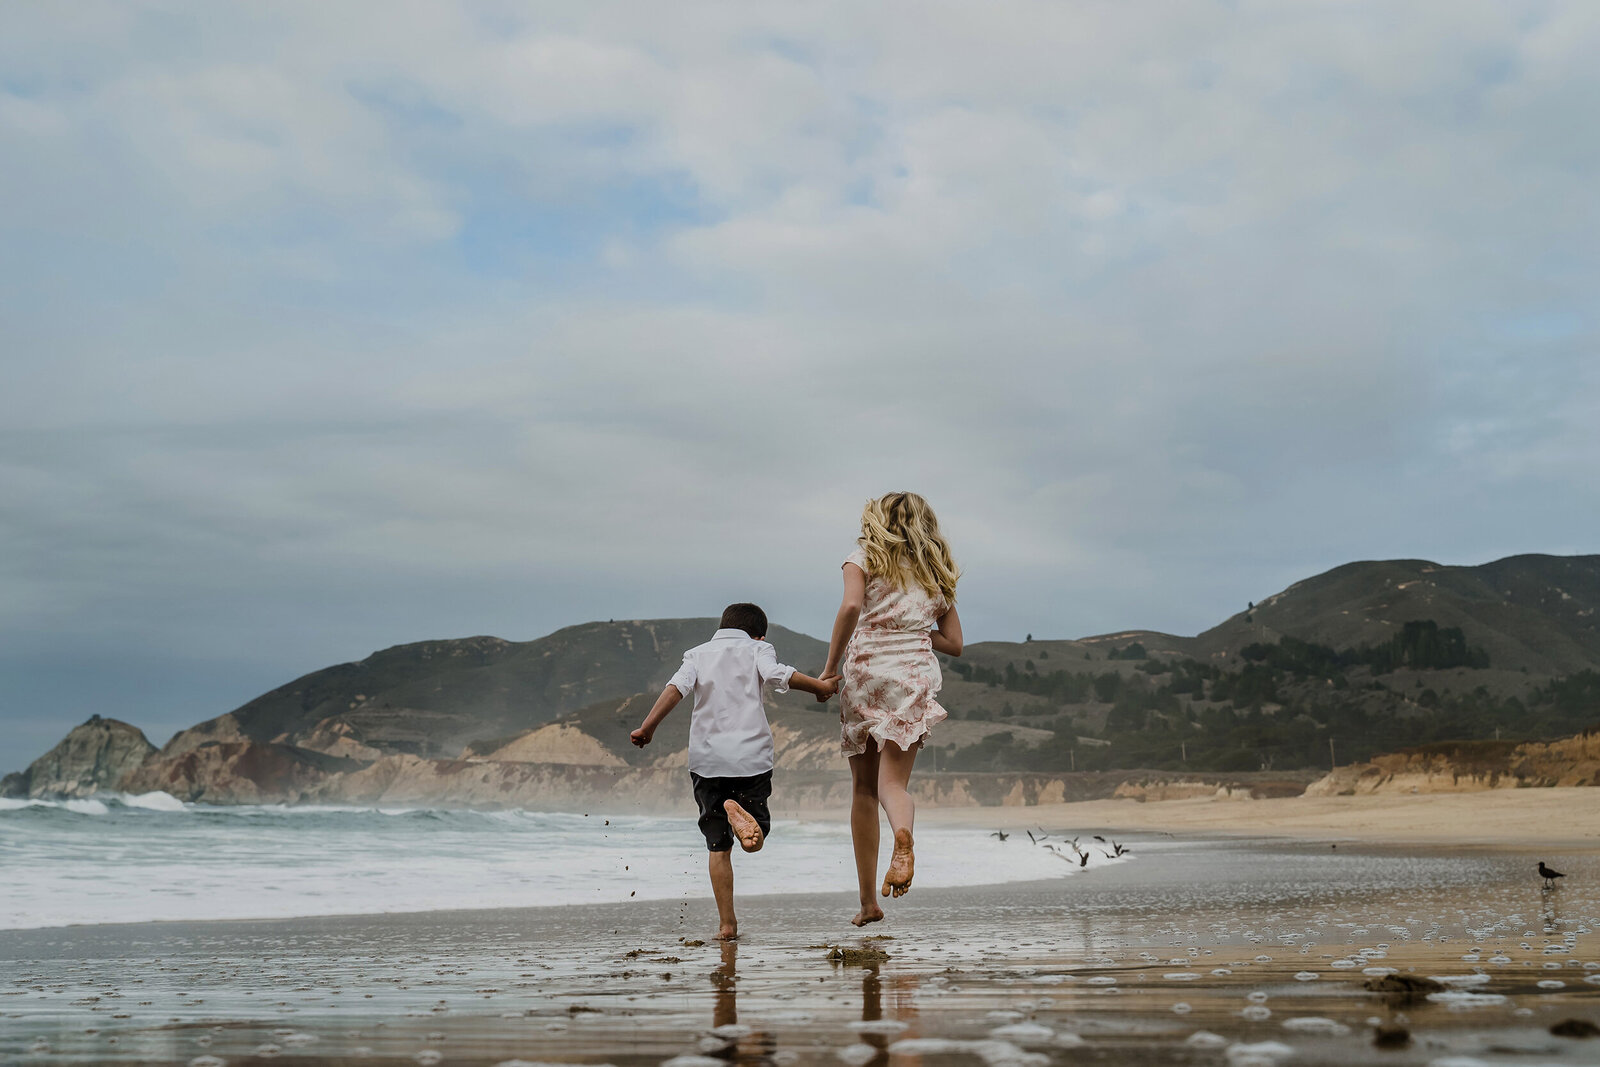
92, 758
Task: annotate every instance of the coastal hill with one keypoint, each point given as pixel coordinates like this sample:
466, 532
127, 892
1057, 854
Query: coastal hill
1362, 660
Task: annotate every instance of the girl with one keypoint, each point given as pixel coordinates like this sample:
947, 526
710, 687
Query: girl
900, 587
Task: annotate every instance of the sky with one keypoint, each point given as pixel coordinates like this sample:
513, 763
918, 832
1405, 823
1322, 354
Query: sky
330, 327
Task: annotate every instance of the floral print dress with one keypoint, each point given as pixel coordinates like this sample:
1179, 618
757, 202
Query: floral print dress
890, 677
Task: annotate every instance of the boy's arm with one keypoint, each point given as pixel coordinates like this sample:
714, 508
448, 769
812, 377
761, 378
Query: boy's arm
818, 688
664, 703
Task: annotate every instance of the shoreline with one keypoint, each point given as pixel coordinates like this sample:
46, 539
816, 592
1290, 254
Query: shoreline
1200, 953
1566, 817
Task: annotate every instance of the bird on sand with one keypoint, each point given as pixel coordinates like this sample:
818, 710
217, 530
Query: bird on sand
1083, 859
1548, 875
1001, 834
1121, 850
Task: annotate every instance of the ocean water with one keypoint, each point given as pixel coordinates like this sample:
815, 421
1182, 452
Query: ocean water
152, 857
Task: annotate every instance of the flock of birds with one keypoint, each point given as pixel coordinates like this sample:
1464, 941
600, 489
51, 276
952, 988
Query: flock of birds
1042, 840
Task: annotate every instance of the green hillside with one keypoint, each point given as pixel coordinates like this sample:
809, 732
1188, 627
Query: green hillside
1371, 656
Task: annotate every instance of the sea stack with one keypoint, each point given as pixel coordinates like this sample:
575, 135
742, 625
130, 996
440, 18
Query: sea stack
94, 757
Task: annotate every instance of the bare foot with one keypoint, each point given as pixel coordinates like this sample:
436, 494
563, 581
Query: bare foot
901, 865
869, 913
744, 826
728, 932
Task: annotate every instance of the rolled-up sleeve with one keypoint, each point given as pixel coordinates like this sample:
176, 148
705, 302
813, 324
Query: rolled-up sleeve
774, 675
685, 677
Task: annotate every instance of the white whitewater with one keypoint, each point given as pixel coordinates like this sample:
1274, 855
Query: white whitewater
152, 857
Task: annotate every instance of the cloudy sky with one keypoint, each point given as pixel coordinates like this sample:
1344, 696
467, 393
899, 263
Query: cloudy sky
327, 327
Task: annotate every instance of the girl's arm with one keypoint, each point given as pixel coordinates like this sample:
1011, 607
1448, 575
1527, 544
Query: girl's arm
946, 636
844, 624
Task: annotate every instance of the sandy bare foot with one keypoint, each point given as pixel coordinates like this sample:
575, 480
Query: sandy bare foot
744, 826
869, 913
728, 933
901, 865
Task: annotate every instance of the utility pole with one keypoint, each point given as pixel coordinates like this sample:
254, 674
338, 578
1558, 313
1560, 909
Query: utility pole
1333, 764
1183, 747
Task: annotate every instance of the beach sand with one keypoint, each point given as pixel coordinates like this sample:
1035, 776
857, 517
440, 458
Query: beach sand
1197, 950
1519, 818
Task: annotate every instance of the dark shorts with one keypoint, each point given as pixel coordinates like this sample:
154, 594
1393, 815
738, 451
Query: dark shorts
751, 794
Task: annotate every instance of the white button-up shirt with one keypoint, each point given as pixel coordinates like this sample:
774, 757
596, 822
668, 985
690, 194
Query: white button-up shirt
728, 732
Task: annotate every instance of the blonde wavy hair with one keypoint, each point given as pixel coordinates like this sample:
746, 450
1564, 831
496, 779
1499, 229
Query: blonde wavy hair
900, 535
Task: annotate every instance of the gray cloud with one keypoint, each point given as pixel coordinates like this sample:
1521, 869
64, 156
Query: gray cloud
326, 328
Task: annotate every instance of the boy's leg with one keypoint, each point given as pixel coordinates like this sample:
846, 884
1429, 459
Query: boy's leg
722, 888
746, 808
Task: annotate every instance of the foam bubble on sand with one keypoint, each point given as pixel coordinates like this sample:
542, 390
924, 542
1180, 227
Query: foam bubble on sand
208, 1061
1552, 983
857, 1055
1458, 1061
1315, 1024
1306, 976
1205, 1039
1259, 1054
1460, 1000
1460, 979
993, 1053
690, 1060
1181, 976
879, 1026
1023, 1033
1256, 1013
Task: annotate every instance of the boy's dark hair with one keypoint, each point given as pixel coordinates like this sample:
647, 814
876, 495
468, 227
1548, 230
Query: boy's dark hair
747, 617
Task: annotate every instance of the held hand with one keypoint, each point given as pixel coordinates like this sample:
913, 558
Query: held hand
640, 737
830, 685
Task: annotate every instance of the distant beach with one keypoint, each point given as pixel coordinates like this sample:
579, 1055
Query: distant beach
1566, 817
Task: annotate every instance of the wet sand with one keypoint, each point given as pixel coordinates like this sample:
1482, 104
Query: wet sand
1196, 952
1518, 818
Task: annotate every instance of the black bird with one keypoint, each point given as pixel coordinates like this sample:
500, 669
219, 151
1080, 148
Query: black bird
1083, 859
1121, 850
1001, 834
1548, 875
1100, 839
1042, 835
1035, 840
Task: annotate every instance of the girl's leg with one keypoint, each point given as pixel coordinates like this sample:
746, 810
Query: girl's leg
864, 830
894, 773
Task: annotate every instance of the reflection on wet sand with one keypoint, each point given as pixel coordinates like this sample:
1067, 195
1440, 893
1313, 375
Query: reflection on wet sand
1194, 952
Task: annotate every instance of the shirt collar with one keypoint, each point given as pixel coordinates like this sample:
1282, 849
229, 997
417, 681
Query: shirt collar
730, 632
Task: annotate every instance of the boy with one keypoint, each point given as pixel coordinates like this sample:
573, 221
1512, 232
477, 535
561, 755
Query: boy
730, 743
